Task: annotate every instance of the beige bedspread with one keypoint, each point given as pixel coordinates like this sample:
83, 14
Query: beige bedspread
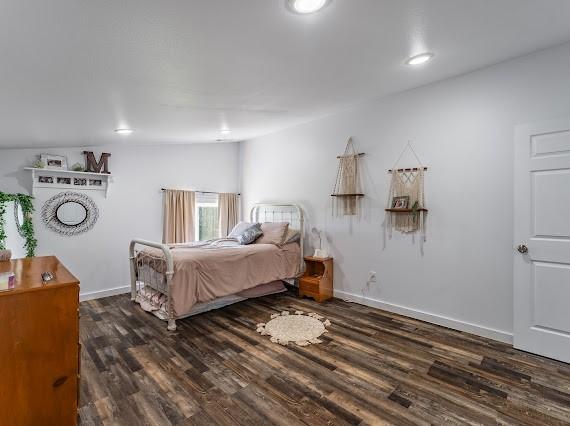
204, 274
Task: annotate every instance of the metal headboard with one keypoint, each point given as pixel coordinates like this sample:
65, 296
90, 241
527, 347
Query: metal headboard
290, 213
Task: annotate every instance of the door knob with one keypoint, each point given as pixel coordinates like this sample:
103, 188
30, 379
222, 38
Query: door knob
522, 248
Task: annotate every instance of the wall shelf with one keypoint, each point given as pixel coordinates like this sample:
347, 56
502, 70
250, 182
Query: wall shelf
69, 180
408, 169
347, 195
405, 210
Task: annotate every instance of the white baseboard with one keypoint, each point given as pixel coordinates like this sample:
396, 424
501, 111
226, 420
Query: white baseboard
90, 295
491, 333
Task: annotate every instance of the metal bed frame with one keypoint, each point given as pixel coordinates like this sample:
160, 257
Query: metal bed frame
147, 273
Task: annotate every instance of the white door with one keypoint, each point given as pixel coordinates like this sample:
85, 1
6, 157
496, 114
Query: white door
542, 239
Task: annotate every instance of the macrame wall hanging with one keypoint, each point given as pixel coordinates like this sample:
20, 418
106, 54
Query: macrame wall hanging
347, 188
406, 210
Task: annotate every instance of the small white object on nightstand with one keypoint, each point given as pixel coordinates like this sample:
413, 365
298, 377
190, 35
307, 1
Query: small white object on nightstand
317, 242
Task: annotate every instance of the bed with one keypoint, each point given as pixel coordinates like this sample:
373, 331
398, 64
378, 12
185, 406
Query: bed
174, 281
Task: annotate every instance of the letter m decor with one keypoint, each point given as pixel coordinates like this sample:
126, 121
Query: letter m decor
92, 165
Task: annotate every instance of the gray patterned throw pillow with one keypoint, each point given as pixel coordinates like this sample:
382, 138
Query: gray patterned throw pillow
250, 234
240, 228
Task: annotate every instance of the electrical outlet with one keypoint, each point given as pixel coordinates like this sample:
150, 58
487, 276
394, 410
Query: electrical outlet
371, 277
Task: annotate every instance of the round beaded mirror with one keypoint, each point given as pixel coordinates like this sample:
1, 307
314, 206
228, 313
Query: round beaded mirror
70, 213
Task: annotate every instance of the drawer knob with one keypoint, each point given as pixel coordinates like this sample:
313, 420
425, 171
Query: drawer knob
59, 382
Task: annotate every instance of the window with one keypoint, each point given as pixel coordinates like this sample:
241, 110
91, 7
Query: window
206, 225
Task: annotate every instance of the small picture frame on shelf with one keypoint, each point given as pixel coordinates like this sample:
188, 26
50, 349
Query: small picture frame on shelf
54, 162
64, 180
80, 181
45, 179
401, 202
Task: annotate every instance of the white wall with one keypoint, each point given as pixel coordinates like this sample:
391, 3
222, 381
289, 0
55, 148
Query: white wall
99, 258
462, 129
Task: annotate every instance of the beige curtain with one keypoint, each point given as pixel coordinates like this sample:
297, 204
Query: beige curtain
228, 212
178, 220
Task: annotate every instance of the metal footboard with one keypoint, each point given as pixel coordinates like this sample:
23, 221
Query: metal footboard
153, 270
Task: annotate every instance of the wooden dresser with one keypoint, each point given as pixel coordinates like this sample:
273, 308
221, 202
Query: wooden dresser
39, 344
317, 282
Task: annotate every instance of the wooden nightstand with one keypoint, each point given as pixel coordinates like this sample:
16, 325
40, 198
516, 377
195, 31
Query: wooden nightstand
318, 279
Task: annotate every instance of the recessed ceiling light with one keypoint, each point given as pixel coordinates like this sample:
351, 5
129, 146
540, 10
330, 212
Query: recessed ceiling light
307, 6
225, 131
124, 131
422, 58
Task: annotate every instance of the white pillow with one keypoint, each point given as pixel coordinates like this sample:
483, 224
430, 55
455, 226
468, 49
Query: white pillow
240, 228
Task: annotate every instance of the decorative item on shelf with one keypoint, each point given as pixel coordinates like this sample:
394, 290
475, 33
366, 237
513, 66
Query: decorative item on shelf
39, 164
407, 188
94, 166
347, 188
64, 180
78, 167
80, 181
400, 202
54, 162
317, 243
23, 210
70, 213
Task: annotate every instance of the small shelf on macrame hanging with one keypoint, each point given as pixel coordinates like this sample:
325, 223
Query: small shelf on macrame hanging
405, 210
347, 195
408, 169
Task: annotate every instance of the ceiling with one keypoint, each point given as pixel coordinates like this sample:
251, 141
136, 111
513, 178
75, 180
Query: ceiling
177, 71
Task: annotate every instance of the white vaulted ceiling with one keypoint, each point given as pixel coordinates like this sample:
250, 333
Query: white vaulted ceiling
177, 71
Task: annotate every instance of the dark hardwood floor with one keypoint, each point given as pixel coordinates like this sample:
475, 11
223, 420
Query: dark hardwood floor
372, 368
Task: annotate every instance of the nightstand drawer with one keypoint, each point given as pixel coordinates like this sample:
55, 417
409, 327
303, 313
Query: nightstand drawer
309, 284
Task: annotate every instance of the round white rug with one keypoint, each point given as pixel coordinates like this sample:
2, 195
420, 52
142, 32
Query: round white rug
300, 328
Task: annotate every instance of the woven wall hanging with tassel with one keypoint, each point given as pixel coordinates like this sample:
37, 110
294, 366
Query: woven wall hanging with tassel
347, 189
